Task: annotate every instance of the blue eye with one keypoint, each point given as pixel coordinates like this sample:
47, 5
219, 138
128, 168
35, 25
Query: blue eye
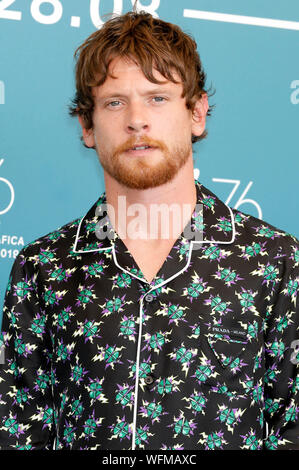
159, 98
111, 103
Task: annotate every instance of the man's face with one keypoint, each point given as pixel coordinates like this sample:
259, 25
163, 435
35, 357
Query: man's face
129, 112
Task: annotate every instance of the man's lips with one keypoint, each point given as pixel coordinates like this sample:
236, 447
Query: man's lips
141, 151
141, 145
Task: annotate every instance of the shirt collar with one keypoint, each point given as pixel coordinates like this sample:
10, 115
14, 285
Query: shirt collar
213, 223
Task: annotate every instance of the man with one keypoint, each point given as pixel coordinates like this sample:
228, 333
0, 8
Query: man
118, 341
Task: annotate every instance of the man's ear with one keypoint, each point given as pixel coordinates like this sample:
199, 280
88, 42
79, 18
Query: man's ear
88, 136
199, 115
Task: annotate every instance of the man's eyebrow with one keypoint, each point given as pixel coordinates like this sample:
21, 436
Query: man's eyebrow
154, 91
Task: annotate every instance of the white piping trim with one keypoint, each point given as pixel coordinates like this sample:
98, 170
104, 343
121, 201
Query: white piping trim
192, 241
224, 242
118, 265
86, 251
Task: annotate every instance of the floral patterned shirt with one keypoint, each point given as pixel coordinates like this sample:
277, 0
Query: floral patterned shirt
203, 357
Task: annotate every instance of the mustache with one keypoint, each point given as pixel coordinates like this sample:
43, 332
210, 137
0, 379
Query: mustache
134, 142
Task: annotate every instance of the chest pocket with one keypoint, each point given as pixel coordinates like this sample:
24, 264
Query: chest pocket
229, 350
230, 354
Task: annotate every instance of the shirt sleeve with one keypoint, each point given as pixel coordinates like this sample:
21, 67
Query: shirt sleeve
282, 354
26, 401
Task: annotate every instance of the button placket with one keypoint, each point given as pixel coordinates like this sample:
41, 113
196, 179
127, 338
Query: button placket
149, 379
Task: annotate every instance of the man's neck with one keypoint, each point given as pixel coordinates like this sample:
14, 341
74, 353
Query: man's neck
166, 225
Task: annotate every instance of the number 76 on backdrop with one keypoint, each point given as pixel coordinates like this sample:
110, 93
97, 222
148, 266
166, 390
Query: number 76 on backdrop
242, 199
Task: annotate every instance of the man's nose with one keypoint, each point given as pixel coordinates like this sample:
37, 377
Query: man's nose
137, 119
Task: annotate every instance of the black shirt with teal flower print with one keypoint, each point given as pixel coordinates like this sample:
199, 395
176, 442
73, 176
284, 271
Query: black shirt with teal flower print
203, 357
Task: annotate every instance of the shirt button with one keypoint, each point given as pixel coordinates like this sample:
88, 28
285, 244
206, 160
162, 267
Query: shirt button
148, 379
149, 297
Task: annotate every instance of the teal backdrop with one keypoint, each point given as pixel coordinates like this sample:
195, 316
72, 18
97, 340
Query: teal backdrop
249, 50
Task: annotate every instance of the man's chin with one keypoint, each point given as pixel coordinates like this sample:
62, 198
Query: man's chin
146, 182
141, 173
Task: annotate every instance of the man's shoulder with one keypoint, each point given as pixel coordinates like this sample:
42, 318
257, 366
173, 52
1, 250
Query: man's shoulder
62, 237
251, 229
243, 228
